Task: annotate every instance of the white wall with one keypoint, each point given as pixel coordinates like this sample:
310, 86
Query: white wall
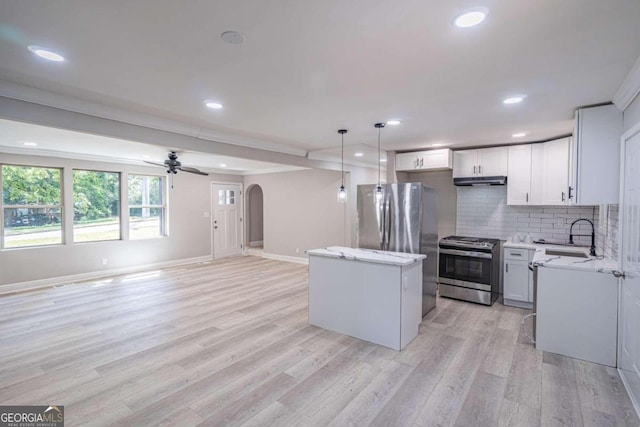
189, 230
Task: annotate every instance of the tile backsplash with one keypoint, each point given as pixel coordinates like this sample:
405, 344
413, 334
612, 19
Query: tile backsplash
483, 212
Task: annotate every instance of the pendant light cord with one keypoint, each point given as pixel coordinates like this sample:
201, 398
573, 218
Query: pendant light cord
378, 156
342, 158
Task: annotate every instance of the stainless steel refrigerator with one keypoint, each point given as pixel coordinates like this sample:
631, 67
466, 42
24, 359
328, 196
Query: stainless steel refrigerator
404, 220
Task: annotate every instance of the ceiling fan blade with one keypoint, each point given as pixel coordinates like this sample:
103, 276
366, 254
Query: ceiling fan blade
156, 164
192, 170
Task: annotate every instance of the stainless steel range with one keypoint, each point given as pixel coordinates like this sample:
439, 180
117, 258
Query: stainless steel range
469, 269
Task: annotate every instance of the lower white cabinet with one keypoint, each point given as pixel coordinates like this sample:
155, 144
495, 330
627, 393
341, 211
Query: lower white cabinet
577, 314
518, 279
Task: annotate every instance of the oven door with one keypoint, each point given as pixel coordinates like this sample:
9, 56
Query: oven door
470, 269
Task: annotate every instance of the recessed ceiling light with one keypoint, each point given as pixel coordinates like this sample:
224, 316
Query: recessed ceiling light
359, 154
30, 144
438, 144
232, 37
471, 17
519, 134
214, 105
393, 122
46, 53
383, 160
223, 165
514, 99
146, 156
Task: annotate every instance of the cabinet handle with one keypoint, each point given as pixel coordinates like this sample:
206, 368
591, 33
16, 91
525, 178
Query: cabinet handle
570, 195
563, 196
479, 169
527, 197
474, 169
515, 254
422, 162
507, 266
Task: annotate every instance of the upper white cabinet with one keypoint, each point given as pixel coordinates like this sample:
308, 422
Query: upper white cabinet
595, 156
539, 173
482, 162
424, 160
519, 175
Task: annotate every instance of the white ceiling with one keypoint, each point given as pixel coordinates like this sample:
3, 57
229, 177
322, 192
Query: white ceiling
309, 68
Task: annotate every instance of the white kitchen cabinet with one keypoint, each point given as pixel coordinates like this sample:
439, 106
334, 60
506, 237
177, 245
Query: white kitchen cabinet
555, 172
595, 156
538, 174
424, 160
482, 162
519, 175
518, 279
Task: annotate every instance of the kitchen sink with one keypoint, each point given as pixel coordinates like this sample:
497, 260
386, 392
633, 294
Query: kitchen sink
566, 253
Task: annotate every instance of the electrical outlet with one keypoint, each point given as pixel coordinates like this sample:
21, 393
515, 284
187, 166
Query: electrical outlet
206, 214
104, 261
297, 250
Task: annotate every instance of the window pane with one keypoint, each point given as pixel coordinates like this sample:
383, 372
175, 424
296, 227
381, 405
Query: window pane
96, 206
146, 207
26, 185
145, 190
146, 223
32, 227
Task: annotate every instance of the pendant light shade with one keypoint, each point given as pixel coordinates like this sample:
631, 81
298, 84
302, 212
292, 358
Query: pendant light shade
378, 193
342, 193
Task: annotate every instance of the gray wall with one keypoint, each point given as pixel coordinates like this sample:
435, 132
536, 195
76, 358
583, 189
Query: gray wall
301, 209
189, 229
631, 115
255, 213
442, 182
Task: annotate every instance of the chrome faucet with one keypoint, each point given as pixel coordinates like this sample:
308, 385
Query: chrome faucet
592, 251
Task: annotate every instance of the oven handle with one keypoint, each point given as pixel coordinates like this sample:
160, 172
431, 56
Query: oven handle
471, 254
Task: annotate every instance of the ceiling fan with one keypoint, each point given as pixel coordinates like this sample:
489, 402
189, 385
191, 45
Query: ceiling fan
173, 165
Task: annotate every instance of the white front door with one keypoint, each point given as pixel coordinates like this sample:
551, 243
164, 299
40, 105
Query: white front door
227, 220
629, 325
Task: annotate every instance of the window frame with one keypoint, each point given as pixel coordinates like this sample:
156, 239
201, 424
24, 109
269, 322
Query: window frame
4, 206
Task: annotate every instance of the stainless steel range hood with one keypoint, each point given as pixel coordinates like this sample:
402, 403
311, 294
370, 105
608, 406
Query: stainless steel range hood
480, 180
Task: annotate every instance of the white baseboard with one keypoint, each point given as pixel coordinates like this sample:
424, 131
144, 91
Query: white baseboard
82, 277
253, 252
634, 402
256, 243
287, 258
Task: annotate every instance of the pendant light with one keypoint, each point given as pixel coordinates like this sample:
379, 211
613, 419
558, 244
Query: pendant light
379, 186
342, 193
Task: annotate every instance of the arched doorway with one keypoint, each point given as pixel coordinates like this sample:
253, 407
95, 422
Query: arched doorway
255, 218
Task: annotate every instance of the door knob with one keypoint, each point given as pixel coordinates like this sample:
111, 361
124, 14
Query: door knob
215, 227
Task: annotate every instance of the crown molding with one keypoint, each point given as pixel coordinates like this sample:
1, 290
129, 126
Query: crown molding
629, 89
77, 105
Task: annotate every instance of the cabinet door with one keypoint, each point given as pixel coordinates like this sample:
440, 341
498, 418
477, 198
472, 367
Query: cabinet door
465, 163
406, 161
555, 172
516, 280
519, 175
493, 161
436, 159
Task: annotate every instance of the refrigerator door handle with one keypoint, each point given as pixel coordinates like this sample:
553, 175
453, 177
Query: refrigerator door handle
387, 225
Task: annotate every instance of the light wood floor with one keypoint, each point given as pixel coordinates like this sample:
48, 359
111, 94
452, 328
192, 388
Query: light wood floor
227, 343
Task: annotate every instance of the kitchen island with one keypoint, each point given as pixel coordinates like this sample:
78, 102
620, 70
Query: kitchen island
368, 294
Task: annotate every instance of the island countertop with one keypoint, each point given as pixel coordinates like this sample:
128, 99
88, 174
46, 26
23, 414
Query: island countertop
367, 255
596, 264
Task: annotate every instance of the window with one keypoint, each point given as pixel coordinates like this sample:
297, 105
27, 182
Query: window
32, 206
147, 210
226, 197
96, 206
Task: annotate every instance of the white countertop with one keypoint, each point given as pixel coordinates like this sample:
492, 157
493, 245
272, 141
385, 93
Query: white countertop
595, 264
368, 255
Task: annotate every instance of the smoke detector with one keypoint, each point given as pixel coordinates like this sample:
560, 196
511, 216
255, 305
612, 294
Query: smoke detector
232, 37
